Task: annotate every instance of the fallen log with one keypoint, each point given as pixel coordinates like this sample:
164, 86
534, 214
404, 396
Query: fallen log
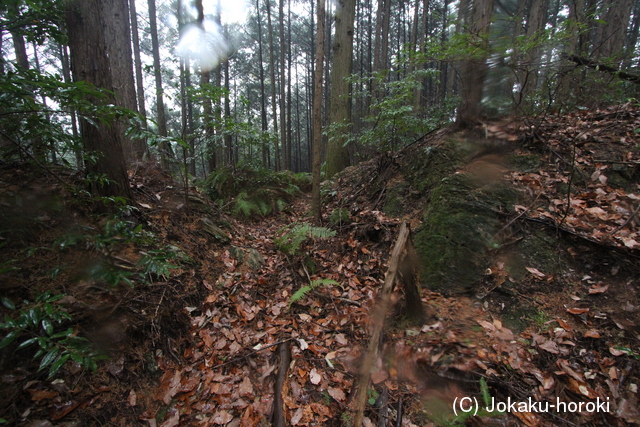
401, 267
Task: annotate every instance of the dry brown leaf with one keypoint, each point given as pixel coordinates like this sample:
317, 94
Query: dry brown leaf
221, 417
537, 273
598, 289
564, 325
38, 395
582, 388
315, 377
246, 388
592, 333
337, 394
550, 346
132, 398
577, 310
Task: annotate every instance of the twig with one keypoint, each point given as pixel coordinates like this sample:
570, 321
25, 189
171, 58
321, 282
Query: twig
617, 162
284, 349
384, 407
516, 218
235, 359
635, 212
399, 416
21, 148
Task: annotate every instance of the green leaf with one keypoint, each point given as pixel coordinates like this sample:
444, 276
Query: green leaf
8, 303
47, 326
55, 367
27, 342
8, 339
49, 358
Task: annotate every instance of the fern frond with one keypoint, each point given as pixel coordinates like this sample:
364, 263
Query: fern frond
244, 205
290, 241
303, 291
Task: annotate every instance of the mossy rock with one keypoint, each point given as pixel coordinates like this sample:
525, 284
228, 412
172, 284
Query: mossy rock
458, 229
394, 203
539, 250
525, 162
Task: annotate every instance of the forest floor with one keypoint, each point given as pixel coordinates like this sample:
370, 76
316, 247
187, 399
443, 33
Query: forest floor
215, 340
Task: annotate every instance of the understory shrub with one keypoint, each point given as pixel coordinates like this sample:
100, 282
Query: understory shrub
248, 191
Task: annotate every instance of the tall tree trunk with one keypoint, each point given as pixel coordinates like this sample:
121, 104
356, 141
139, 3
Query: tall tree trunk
337, 151
20, 49
85, 28
272, 69
316, 210
283, 133
263, 99
535, 30
632, 37
475, 69
1, 53
52, 144
618, 14
165, 153
289, 117
228, 137
141, 148
118, 42
66, 75
207, 106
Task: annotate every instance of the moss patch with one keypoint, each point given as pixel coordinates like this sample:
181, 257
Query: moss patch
458, 229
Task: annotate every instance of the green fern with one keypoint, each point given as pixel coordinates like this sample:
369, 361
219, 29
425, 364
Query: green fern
244, 205
290, 242
303, 291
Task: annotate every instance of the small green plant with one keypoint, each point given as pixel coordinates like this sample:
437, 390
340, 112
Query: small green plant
372, 396
36, 323
541, 319
248, 190
339, 216
462, 418
295, 234
303, 291
628, 351
157, 262
347, 419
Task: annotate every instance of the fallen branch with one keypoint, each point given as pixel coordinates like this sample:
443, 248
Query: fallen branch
591, 63
379, 315
284, 350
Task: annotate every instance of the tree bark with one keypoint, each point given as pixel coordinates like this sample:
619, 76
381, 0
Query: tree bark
337, 151
283, 133
316, 210
89, 62
263, 106
272, 69
474, 70
141, 146
164, 148
118, 42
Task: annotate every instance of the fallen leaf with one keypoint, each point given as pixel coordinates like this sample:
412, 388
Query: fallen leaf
315, 377
337, 394
38, 395
598, 289
246, 388
577, 310
592, 333
536, 272
221, 417
132, 398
